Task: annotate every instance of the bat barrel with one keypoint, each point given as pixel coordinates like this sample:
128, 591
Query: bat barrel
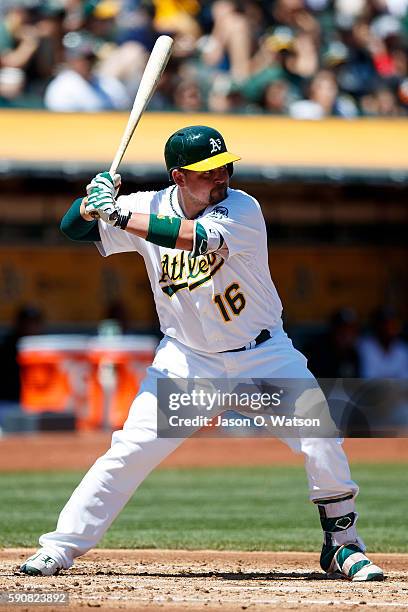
154, 69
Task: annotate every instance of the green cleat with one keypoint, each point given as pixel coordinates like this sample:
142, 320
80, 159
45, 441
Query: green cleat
40, 564
349, 561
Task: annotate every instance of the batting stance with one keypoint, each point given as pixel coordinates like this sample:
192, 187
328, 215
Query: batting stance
205, 249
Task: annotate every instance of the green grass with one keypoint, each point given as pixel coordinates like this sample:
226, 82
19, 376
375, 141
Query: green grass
224, 508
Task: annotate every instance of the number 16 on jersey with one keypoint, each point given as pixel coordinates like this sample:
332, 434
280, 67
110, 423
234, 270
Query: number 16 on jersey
231, 302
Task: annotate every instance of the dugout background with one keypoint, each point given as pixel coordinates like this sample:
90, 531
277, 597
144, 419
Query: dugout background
334, 201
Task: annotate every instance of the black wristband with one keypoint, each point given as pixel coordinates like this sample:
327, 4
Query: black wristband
123, 220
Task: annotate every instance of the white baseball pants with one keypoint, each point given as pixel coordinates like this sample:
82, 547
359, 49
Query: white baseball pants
136, 450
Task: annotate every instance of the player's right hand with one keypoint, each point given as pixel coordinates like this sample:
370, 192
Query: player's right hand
103, 182
101, 205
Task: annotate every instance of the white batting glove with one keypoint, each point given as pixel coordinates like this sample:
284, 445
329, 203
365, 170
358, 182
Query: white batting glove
105, 182
101, 202
101, 205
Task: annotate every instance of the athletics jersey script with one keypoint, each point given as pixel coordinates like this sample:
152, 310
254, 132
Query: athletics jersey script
183, 272
221, 297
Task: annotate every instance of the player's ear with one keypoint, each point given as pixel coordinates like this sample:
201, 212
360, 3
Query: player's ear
178, 177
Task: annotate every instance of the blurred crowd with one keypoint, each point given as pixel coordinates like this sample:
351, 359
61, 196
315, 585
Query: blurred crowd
344, 349
304, 58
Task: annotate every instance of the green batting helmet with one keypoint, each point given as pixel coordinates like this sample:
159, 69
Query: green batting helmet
198, 148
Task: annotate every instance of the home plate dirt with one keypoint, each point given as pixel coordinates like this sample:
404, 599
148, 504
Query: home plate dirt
208, 580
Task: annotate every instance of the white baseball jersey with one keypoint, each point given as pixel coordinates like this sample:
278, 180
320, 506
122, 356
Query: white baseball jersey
220, 299
216, 301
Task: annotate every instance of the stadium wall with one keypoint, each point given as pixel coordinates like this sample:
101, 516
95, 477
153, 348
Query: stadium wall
333, 195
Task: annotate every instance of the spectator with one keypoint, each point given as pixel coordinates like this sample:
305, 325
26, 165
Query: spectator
78, 88
382, 103
187, 97
20, 40
399, 8
224, 97
323, 100
135, 23
233, 50
266, 63
12, 82
334, 354
383, 354
347, 12
358, 75
229, 46
123, 37
100, 20
294, 14
403, 94
116, 316
301, 61
48, 20
179, 18
29, 321
385, 32
276, 97
30, 44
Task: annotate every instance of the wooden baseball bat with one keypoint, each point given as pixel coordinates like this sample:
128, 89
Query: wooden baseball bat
154, 69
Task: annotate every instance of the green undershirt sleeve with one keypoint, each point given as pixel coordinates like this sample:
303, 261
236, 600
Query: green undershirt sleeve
74, 227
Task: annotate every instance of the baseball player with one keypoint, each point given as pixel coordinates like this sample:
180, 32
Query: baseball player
205, 249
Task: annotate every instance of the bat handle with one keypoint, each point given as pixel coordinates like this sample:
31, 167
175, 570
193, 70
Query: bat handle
113, 169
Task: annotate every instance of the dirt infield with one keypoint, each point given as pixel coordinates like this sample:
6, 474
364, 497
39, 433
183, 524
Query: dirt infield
79, 451
150, 580
206, 580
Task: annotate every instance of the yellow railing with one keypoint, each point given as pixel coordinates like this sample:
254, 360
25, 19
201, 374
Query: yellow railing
39, 136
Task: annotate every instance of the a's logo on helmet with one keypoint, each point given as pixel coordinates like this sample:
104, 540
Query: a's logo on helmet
216, 145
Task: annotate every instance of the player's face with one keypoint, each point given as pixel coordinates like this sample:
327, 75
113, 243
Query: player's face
206, 187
